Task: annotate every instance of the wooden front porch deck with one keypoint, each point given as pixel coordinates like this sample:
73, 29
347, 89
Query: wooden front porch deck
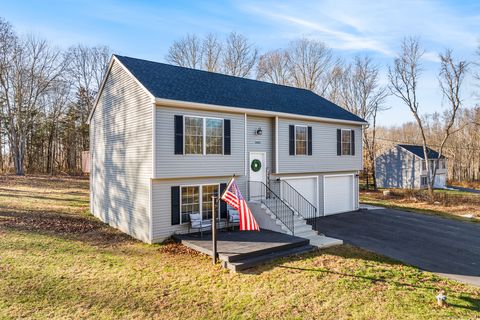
239, 250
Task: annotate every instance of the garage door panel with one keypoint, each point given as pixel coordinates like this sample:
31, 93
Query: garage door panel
307, 187
338, 191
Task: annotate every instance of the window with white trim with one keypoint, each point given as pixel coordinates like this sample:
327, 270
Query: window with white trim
203, 135
214, 136
193, 135
346, 141
207, 193
301, 140
423, 180
190, 202
197, 199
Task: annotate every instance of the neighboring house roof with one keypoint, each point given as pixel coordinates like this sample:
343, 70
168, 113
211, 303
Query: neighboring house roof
418, 151
166, 81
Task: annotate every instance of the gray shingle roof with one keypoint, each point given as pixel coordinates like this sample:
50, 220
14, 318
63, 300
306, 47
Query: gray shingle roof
184, 84
418, 151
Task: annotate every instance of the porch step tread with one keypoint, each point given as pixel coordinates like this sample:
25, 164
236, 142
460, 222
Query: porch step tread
229, 257
255, 261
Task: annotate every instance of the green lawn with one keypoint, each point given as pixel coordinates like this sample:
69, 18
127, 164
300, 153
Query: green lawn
57, 261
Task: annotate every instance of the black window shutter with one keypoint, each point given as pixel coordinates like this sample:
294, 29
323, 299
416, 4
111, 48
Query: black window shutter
291, 144
175, 194
309, 141
178, 134
339, 142
353, 142
223, 204
226, 137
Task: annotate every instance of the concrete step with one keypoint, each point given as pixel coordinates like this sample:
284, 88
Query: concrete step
306, 234
255, 261
302, 228
323, 242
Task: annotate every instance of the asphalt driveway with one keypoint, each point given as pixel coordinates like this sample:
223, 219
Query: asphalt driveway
436, 244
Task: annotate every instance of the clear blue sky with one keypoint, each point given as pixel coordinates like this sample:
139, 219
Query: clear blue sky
145, 29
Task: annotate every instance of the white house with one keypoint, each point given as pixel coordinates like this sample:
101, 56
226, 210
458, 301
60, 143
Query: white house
164, 138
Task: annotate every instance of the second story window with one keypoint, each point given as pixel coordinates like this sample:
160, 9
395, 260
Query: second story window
300, 140
203, 135
424, 165
214, 136
346, 142
193, 135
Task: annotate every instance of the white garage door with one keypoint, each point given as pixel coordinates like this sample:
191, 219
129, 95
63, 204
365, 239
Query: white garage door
440, 181
307, 187
338, 193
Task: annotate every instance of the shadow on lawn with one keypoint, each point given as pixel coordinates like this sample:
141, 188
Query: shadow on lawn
65, 226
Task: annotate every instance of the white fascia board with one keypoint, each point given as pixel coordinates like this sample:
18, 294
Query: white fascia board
256, 112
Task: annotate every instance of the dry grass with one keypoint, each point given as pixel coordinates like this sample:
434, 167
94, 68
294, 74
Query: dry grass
446, 203
77, 267
466, 184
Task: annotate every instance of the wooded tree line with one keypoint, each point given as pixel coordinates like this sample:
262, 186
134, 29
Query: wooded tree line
356, 86
46, 94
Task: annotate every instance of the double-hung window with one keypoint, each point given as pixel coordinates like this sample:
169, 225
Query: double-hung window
301, 140
197, 200
346, 141
423, 181
203, 135
193, 135
214, 136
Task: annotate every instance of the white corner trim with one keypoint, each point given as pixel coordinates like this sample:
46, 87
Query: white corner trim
154, 140
245, 145
277, 169
150, 225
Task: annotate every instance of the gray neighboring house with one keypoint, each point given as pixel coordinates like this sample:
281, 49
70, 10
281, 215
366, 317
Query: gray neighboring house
164, 138
404, 166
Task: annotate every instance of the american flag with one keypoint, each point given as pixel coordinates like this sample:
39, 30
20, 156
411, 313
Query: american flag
233, 197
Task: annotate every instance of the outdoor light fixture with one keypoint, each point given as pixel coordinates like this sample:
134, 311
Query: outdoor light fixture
259, 132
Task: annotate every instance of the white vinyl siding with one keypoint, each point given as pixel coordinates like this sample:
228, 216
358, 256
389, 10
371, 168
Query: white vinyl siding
161, 206
121, 151
324, 149
171, 165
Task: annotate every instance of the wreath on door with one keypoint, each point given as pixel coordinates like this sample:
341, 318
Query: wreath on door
256, 165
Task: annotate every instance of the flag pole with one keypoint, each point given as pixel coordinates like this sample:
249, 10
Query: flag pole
214, 220
214, 231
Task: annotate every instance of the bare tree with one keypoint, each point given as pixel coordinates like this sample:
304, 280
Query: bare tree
186, 52
363, 96
29, 69
87, 66
310, 64
211, 53
404, 85
239, 56
274, 67
451, 77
